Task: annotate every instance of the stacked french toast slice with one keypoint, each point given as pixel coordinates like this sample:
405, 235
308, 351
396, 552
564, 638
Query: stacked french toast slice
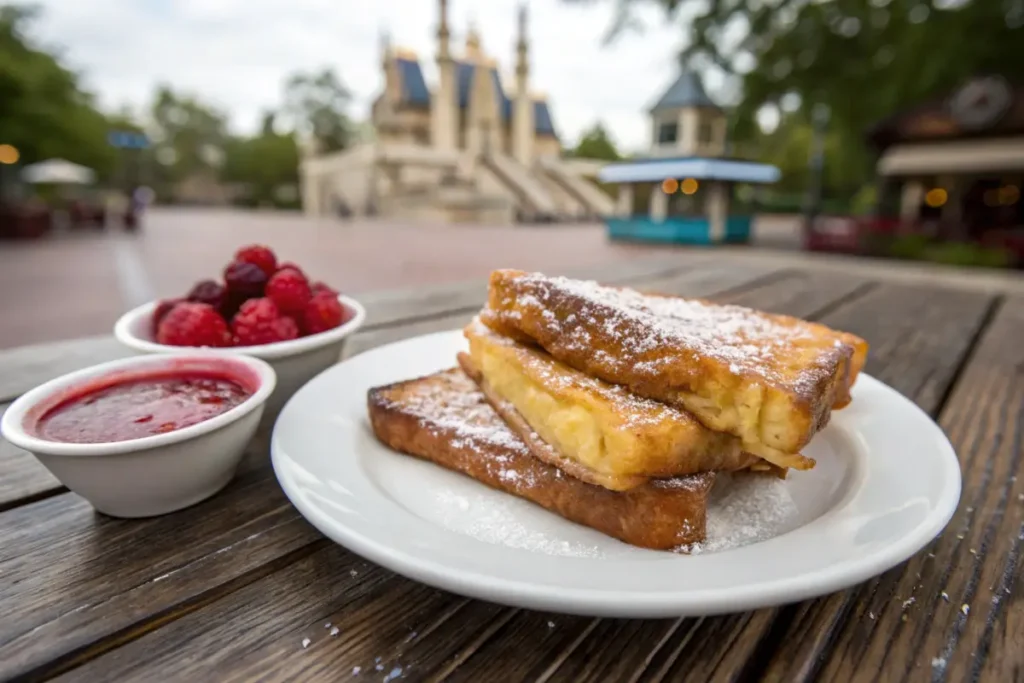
615, 408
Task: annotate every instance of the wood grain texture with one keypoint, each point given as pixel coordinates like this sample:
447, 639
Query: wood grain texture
725, 643
730, 648
277, 650
701, 281
28, 366
22, 477
391, 307
273, 629
953, 612
77, 582
246, 595
920, 338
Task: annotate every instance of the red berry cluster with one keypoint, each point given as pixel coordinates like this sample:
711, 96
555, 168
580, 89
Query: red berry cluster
260, 301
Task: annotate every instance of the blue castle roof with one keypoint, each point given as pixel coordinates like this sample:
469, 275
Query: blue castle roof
415, 92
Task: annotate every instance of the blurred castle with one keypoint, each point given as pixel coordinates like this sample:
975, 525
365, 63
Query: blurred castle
464, 151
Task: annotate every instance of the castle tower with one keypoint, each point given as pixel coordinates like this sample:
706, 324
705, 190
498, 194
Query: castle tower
474, 49
686, 122
523, 124
443, 107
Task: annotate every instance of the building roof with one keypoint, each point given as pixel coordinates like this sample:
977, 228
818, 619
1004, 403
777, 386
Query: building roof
686, 91
658, 169
416, 93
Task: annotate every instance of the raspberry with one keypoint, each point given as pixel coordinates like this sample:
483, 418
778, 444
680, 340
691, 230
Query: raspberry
260, 322
259, 255
193, 324
288, 265
318, 287
289, 290
324, 312
208, 292
162, 309
245, 280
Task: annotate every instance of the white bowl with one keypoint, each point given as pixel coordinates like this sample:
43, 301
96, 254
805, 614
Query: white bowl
152, 475
295, 362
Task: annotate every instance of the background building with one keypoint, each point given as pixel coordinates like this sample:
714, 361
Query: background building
469, 149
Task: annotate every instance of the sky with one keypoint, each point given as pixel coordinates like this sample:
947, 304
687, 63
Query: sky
236, 54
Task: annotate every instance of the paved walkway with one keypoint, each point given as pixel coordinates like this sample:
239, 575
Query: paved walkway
77, 285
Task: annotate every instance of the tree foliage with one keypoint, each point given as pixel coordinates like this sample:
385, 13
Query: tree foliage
190, 135
864, 59
44, 111
317, 104
264, 163
595, 143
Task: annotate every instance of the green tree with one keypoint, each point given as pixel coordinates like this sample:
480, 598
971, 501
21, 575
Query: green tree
595, 143
265, 164
317, 105
863, 59
190, 136
44, 112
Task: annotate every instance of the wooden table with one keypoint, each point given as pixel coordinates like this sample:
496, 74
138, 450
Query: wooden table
240, 587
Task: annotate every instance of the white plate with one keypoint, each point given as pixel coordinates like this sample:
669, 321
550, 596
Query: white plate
886, 483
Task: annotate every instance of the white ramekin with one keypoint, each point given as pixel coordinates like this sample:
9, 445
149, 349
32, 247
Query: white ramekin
152, 475
295, 362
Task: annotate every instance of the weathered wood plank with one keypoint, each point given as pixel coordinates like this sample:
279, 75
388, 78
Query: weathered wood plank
443, 650
74, 578
268, 630
952, 613
266, 595
22, 477
920, 339
939, 324
389, 307
726, 642
28, 366
25, 367
696, 282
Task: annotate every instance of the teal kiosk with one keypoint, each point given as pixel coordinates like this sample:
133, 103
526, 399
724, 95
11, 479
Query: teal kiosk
683, 191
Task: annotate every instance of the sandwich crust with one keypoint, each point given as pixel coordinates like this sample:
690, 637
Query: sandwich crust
770, 380
444, 418
599, 432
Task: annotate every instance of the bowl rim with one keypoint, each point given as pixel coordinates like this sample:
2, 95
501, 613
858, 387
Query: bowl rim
13, 429
123, 333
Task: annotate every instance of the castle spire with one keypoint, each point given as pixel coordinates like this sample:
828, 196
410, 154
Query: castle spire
474, 49
523, 123
444, 102
443, 33
384, 41
522, 46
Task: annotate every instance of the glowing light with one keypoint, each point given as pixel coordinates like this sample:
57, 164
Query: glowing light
1009, 195
936, 197
9, 154
669, 185
689, 186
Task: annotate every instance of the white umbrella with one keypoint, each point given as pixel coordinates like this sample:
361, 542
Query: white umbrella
58, 171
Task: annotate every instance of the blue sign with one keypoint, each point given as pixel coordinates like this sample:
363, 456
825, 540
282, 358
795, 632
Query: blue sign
127, 140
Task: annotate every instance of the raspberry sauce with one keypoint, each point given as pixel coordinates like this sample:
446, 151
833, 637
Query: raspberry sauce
140, 407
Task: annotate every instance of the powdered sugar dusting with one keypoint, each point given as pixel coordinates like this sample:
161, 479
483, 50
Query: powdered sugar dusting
745, 508
654, 330
499, 520
452, 403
